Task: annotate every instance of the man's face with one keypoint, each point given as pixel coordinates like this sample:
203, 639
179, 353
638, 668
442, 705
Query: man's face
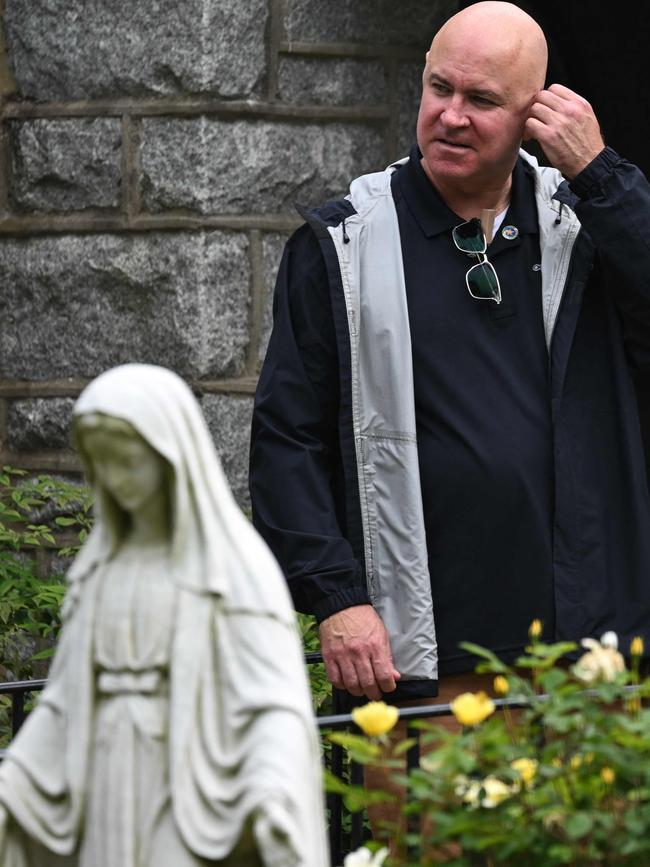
474, 105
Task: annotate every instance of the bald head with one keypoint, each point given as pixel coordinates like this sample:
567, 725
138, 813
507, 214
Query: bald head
484, 70
506, 39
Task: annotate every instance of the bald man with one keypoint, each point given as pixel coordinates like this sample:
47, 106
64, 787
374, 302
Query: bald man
445, 440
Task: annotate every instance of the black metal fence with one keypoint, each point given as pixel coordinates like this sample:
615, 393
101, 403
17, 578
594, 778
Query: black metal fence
346, 831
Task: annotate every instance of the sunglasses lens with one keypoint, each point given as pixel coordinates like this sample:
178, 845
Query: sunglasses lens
482, 282
469, 237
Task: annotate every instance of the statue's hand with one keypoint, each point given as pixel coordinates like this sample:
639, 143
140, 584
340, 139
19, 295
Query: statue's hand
274, 830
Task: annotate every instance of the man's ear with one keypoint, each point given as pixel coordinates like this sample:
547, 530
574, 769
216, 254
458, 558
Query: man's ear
525, 135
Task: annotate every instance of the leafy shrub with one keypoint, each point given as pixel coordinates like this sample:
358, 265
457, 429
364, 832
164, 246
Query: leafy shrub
565, 781
43, 521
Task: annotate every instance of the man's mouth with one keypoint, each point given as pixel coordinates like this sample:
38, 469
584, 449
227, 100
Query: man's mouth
453, 144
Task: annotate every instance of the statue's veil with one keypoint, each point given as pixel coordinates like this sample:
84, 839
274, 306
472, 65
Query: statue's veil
212, 542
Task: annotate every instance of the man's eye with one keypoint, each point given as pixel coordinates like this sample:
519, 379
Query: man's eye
483, 100
439, 88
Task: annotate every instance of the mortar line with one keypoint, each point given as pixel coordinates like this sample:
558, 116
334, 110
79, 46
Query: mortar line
256, 309
276, 38
7, 82
350, 49
196, 107
44, 461
88, 224
5, 157
16, 389
130, 168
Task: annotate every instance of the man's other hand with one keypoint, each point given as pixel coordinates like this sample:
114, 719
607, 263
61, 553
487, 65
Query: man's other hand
566, 127
356, 651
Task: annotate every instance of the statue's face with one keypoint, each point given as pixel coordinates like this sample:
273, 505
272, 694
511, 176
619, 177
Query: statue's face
123, 463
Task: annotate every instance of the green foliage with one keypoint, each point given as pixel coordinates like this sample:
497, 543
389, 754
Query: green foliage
321, 688
40, 519
565, 781
30, 598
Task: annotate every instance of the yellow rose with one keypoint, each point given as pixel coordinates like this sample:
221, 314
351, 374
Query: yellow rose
535, 629
471, 708
526, 768
637, 647
501, 685
375, 718
608, 775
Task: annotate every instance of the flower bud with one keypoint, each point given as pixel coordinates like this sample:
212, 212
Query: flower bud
608, 775
526, 768
637, 647
535, 629
501, 685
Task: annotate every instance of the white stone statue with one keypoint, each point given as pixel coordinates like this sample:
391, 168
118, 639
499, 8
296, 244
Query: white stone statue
176, 727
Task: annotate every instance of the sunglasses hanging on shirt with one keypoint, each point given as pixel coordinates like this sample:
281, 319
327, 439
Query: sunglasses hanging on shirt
481, 279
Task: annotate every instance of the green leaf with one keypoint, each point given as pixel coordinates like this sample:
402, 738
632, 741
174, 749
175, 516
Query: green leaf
404, 746
334, 784
12, 513
43, 654
494, 663
578, 825
553, 679
359, 747
561, 854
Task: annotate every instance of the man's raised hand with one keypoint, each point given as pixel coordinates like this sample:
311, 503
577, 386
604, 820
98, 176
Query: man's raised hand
356, 651
566, 127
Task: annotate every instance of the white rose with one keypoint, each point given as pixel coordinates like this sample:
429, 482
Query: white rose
609, 639
364, 858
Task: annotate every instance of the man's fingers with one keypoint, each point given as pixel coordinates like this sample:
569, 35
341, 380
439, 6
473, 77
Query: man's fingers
544, 113
533, 128
356, 650
353, 673
367, 680
562, 91
564, 124
333, 672
385, 674
350, 677
548, 99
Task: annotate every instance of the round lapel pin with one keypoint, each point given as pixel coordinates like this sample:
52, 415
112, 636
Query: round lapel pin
510, 232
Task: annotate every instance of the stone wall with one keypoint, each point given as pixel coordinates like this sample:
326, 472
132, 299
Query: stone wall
150, 156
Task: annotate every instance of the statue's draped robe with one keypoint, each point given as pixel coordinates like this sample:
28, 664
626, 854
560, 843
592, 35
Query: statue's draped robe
240, 728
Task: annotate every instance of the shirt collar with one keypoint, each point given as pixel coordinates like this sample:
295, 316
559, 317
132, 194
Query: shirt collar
434, 216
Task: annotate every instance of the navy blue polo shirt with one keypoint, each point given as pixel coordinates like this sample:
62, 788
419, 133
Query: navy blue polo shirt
483, 421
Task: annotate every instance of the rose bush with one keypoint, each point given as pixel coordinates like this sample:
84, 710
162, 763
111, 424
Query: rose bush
565, 780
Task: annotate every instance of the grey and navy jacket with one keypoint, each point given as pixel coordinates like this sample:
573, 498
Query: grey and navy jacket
334, 477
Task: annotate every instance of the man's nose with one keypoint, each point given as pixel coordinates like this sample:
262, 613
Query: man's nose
455, 114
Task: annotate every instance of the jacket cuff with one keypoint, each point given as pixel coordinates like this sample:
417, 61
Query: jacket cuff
588, 182
339, 601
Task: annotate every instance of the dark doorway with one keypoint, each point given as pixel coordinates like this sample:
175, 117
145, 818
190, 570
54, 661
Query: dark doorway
601, 51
